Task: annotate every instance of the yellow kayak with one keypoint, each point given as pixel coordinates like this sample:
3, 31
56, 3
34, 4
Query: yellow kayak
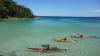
61, 40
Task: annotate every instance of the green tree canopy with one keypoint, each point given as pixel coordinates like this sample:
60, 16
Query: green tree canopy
12, 9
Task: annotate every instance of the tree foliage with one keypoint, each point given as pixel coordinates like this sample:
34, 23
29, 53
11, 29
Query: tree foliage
9, 8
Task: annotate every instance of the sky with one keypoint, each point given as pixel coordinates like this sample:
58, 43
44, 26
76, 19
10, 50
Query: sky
87, 8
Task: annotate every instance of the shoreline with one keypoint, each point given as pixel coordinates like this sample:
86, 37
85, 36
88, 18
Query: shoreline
17, 18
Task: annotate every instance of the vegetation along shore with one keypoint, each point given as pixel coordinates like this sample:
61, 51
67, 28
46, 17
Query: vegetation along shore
10, 10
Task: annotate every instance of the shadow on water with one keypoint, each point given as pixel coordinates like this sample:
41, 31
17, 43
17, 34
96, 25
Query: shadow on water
94, 37
13, 53
31, 52
1, 55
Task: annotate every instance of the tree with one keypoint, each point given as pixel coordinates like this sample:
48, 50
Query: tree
12, 9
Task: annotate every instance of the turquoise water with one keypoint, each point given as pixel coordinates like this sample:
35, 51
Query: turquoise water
16, 36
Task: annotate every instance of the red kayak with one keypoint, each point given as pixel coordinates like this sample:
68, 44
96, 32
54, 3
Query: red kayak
79, 37
43, 50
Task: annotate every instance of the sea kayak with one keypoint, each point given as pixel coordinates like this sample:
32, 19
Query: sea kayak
50, 50
61, 40
79, 37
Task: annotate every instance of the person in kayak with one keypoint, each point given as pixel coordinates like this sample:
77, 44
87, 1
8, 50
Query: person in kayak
47, 47
65, 38
81, 36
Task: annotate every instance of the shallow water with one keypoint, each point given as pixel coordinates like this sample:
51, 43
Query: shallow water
16, 36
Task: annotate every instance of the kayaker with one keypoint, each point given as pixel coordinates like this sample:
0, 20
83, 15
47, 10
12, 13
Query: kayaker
81, 36
47, 47
65, 38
